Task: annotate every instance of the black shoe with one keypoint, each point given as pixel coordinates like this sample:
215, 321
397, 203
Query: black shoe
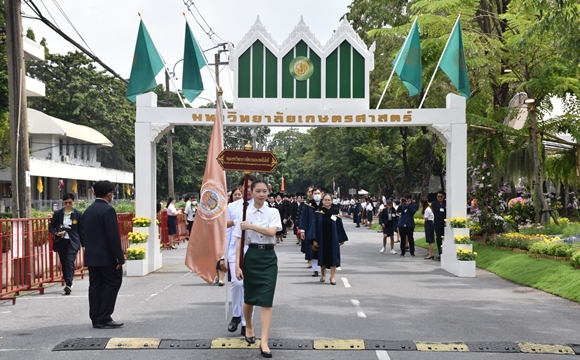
403, 255
108, 325
67, 289
250, 340
233, 325
266, 354
357, 226
243, 331
412, 255
429, 258
315, 274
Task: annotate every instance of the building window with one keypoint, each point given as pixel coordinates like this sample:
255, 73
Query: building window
98, 151
75, 151
82, 152
60, 153
68, 147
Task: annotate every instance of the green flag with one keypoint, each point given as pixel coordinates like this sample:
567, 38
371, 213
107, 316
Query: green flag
407, 64
193, 61
146, 65
453, 62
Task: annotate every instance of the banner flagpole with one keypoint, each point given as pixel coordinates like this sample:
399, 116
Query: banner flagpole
439, 63
399, 55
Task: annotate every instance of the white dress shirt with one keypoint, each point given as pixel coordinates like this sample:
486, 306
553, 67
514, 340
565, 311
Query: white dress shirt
429, 214
235, 213
264, 217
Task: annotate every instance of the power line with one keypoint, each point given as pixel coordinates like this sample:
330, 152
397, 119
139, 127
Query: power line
44, 20
49, 14
210, 33
71, 24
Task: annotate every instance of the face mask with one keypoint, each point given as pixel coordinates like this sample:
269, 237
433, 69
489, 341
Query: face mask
194, 203
317, 197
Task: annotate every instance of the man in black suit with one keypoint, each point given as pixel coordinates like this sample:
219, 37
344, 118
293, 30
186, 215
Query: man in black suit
439, 208
67, 239
103, 256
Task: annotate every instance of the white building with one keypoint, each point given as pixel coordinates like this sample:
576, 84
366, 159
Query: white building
60, 150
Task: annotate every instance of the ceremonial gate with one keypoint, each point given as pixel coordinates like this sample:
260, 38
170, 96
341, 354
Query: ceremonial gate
303, 83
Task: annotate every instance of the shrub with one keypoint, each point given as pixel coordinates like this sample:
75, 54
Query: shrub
539, 247
575, 259
558, 249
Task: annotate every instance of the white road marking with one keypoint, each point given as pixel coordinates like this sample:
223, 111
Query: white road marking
359, 311
383, 355
165, 288
345, 282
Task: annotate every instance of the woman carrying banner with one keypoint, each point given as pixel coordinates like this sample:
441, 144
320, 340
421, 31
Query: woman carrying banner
260, 265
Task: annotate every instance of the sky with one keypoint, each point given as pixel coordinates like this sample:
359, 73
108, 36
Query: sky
110, 27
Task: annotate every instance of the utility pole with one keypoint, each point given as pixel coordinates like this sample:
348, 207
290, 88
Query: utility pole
21, 207
217, 77
170, 187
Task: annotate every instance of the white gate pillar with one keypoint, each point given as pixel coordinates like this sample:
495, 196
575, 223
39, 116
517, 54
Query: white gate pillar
146, 177
455, 136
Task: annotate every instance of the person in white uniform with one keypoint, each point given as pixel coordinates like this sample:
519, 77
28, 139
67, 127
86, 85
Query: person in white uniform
260, 265
235, 213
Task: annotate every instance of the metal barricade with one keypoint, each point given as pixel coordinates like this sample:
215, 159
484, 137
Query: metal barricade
163, 228
28, 259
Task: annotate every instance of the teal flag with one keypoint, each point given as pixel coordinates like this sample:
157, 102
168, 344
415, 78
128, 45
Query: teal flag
453, 62
193, 62
407, 64
146, 65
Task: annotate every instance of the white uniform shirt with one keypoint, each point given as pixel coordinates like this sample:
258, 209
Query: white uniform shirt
190, 210
235, 213
171, 210
265, 217
369, 207
429, 214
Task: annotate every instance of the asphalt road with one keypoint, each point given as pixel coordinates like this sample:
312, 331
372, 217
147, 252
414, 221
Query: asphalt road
379, 298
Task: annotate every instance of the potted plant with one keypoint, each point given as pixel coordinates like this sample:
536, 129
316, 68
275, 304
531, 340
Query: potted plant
466, 262
137, 239
136, 262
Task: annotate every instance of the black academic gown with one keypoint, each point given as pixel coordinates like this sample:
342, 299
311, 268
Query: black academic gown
329, 234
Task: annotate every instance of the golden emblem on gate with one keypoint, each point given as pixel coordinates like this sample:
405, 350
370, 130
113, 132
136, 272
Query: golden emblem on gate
301, 68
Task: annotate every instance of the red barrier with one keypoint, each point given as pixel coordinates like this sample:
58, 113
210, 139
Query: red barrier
27, 258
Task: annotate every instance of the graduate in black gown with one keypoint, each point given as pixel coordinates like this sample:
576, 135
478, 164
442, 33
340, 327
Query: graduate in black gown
330, 235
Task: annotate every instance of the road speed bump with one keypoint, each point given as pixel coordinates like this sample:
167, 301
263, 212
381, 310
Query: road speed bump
133, 343
352, 344
233, 343
439, 346
533, 348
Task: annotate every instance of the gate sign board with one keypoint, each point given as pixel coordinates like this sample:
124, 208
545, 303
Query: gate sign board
247, 160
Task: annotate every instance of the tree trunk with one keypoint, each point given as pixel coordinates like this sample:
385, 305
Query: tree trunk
428, 161
541, 205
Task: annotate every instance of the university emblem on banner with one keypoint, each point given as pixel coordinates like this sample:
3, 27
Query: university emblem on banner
301, 68
213, 201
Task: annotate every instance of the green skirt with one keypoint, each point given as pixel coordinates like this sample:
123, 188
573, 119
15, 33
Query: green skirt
260, 273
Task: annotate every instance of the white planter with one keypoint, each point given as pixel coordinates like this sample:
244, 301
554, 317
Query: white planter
136, 267
464, 247
466, 269
139, 246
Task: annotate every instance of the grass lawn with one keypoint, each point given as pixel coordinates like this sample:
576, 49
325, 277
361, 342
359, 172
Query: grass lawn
552, 276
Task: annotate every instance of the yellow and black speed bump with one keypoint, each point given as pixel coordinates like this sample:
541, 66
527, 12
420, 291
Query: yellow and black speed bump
320, 344
82, 344
440, 346
533, 348
493, 347
184, 344
290, 344
352, 344
401, 345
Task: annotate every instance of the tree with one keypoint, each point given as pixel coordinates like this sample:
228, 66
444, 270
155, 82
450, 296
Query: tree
4, 119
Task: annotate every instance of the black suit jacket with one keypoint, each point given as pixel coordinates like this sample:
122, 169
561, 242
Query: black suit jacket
440, 213
75, 234
101, 236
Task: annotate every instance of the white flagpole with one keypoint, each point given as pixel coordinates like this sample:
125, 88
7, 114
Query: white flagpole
396, 63
439, 62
